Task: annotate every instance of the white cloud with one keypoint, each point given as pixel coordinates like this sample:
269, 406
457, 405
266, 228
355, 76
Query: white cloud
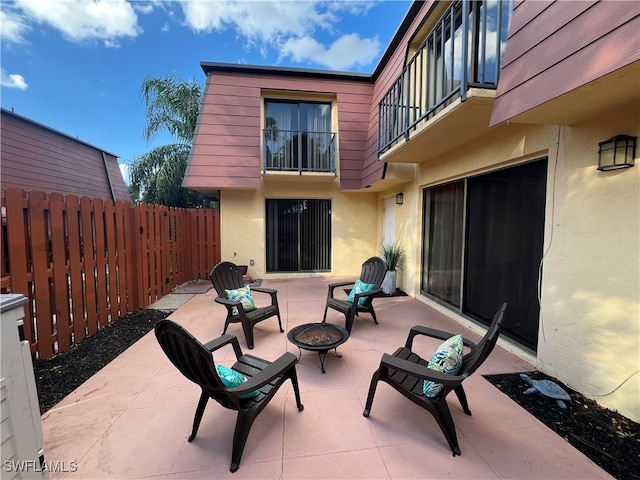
347, 51
288, 26
12, 80
14, 27
266, 20
291, 27
78, 20
145, 8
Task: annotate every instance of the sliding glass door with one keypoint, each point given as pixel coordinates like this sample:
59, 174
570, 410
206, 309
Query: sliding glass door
298, 235
445, 234
483, 246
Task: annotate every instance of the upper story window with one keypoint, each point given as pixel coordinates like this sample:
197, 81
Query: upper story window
298, 137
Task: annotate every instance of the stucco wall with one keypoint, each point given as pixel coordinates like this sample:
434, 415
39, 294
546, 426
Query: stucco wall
353, 222
591, 281
590, 289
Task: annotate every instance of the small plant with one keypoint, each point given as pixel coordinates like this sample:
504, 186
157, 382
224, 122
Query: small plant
392, 253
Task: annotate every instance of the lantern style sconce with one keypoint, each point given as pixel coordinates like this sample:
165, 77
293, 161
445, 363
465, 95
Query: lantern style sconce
399, 198
617, 152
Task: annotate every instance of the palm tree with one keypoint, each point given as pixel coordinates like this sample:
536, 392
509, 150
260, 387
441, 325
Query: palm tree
172, 108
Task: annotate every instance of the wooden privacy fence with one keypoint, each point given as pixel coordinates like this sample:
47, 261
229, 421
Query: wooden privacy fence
83, 263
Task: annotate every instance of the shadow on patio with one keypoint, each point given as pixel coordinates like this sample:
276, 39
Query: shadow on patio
132, 419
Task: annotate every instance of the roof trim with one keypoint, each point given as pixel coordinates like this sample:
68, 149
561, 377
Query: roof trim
215, 67
41, 125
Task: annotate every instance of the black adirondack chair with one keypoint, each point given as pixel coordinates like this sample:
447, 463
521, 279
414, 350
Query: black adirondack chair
406, 372
373, 272
228, 276
195, 361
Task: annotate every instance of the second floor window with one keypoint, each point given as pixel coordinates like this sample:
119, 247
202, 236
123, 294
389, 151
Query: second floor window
298, 137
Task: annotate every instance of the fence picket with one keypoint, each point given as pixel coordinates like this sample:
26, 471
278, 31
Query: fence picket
19, 256
84, 263
88, 259
40, 251
78, 316
110, 253
63, 323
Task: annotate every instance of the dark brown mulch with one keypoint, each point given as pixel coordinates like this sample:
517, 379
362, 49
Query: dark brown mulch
58, 377
397, 293
609, 439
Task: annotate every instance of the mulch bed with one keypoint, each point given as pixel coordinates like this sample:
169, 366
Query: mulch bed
59, 376
609, 439
397, 293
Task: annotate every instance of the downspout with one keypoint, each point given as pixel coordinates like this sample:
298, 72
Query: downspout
106, 167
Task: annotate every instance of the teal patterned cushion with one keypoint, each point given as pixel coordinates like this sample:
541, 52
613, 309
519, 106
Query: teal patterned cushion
447, 359
359, 287
231, 378
241, 295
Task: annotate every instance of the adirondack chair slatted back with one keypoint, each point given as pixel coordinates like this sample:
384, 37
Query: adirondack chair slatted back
226, 276
474, 359
193, 360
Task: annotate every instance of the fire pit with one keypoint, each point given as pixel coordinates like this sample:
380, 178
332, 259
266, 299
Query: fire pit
320, 337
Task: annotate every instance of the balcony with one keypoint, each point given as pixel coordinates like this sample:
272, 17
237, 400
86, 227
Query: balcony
288, 153
458, 62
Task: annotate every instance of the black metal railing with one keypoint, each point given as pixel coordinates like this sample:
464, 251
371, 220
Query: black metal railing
299, 151
463, 51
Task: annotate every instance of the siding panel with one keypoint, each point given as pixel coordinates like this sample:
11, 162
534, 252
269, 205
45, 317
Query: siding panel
35, 157
229, 125
525, 12
561, 60
557, 42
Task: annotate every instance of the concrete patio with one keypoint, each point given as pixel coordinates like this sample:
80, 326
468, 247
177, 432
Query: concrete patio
132, 419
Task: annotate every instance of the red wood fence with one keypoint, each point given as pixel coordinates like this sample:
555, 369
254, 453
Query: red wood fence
84, 263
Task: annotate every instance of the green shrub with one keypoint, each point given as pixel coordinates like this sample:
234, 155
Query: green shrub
392, 253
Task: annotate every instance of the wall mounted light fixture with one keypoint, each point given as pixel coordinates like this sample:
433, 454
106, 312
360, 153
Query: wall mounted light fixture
617, 152
399, 198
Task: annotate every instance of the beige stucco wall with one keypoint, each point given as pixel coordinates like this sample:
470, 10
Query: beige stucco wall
590, 289
354, 225
590, 322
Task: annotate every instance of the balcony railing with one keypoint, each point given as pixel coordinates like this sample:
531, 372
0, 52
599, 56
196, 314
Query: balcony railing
463, 51
299, 151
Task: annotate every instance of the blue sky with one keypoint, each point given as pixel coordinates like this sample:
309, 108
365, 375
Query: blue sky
77, 65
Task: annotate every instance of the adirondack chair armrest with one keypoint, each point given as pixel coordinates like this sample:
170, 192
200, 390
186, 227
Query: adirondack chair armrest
333, 286
220, 342
372, 293
426, 331
268, 291
265, 376
419, 371
227, 302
